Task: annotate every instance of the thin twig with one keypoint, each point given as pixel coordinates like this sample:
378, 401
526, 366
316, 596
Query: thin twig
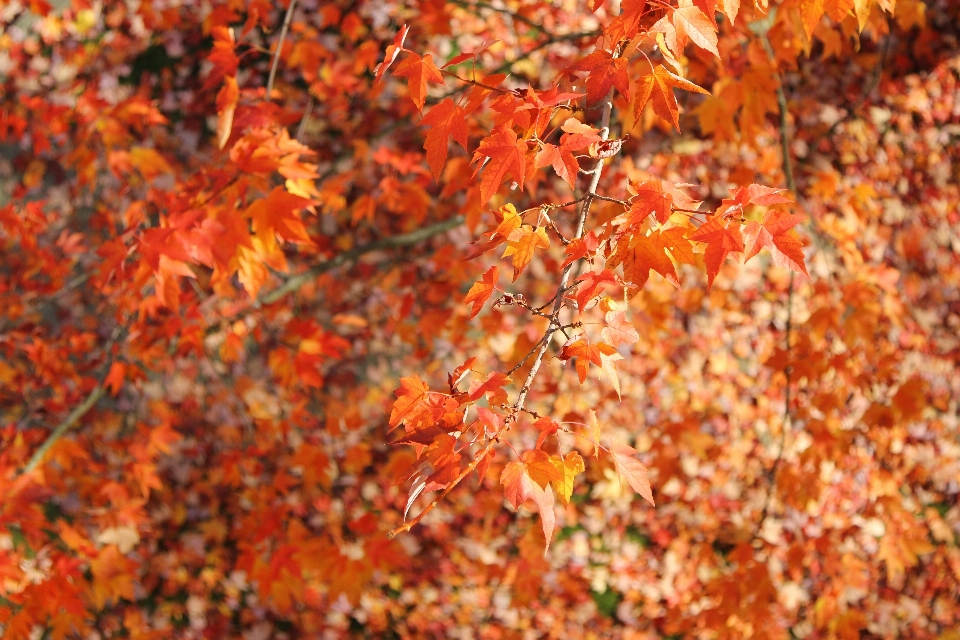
72, 419
78, 412
506, 12
597, 196
303, 121
474, 82
276, 54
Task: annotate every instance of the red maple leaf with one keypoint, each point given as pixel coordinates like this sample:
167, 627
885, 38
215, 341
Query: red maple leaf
590, 286
722, 237
418, 71
445, 119
392, 52
579, 248
774, 234
507, 157
658, 86
481, 291
605, 72
412, 392
562, 160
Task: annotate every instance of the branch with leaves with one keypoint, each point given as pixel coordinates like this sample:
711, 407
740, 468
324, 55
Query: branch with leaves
645, 237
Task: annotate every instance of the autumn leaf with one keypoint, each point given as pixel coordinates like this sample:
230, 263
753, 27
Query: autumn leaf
654, 196
581, 249
419, 73
507, 157
731, 8
481, 291
774, 235
493, 386
226, 106
605, 72
547, 428
468, 55
594, 427
723, 237
639, 254
618, 330
112, 576
393, 50
446, 119
278, 215
569, 466
222, 55
608, 366
632, 469
544, 498
590, 285
562, 160
676, 242
577, 135
687, 23
760, 195
521, 246
410, 394
585, 352
114, 379
516, 482
657, 86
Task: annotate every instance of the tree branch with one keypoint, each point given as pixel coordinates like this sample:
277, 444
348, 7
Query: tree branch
276, 54
402, 240
788, 370
553, 326
72, 419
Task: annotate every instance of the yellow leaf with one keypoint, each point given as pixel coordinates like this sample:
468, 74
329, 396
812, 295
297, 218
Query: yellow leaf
148, 162
521, 245
569, 466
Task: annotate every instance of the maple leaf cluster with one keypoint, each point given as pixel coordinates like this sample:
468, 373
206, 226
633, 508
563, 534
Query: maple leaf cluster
630, 319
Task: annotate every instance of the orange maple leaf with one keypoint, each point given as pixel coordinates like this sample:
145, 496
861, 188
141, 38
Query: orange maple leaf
561, 158
687, 24
658, 86
605, 72
585, 352
722, 236
412, 392
392, 52
774, 234
226, 106
481, 291
632, 469
591, 284
521, 245
657, 197
507, 157
445, 119
418, 71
